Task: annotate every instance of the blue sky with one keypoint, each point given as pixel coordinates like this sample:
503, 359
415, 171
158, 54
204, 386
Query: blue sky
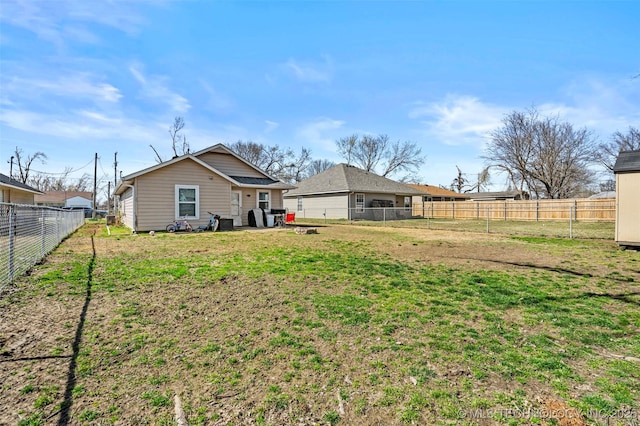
80, 77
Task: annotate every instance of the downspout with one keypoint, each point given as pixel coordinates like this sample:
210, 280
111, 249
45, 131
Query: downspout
133, 207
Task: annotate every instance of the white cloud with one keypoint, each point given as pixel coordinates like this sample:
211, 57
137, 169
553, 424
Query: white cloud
320, 134
599, 105
156, 88
81, 125
61, 21
73, 86
271, 126
217, 101
459, 120
311, 72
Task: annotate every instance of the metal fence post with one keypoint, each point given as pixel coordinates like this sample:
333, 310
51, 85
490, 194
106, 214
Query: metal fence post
11, 242
44, 233
571, 222
487, 220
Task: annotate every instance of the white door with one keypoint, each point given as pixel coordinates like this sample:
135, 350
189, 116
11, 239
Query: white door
236, 207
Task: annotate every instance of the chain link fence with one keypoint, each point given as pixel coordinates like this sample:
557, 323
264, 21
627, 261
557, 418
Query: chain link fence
28, 233
566, 222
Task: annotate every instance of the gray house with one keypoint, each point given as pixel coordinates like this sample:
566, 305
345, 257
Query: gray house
627, 171
347, 192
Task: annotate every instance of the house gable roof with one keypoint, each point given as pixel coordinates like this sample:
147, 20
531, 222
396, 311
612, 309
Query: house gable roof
436, 191
6, 181
345, 178
266, 182
627, 161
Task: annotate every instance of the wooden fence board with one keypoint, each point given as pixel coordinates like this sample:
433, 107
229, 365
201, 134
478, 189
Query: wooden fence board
582, 209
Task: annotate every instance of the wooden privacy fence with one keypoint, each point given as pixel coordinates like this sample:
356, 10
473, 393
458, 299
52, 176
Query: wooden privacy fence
590, 210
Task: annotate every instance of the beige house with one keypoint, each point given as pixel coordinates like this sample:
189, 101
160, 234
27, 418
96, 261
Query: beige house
627, 171
347, 192
13, 191
212, 180
65, 199
435, 193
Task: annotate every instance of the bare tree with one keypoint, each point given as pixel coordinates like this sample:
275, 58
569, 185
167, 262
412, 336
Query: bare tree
378, 155
346, 146
158, 158
459, 182
61, 181
403, 157
369, 151
608, 151
462, 183
545, 155
24, 163
298, 169
511, 146
179, 143
318, 166
276, 161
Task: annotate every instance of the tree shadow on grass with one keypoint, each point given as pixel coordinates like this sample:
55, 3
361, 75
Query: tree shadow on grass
71, 374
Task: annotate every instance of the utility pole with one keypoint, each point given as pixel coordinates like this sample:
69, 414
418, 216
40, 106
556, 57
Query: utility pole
108, 196
11, 168
95, 185
115, 182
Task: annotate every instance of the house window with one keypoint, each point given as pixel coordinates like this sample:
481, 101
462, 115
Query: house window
188, 201
299, 204
264, 200
407, 203
359, 203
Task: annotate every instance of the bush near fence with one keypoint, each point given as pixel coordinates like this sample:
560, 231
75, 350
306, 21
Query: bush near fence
598, 210
28, 233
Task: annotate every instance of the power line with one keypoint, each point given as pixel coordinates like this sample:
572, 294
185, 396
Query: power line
63, 173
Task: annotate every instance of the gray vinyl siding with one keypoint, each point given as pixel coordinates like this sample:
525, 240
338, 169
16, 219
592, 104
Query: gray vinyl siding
229, 165
156, 194
335, 206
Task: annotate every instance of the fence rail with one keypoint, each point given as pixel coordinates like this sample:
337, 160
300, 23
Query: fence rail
28, 233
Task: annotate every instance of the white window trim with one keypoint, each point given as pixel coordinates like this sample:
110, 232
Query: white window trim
177, 201
360, 206
258, 199
300, 205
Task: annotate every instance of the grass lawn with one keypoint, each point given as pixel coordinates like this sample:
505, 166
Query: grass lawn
353, 325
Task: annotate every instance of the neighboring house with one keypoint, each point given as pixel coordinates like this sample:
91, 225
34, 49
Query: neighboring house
627, 171
65, 199
435, 193
214, 180
347, 192
603, 195
502, 195
13, 191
